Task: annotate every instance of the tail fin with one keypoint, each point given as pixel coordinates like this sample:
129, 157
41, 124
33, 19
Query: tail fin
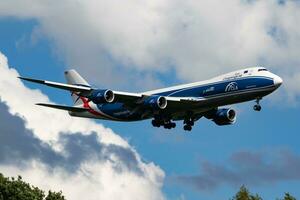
73, 77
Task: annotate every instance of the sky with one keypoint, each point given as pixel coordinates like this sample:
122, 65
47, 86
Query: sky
136, 46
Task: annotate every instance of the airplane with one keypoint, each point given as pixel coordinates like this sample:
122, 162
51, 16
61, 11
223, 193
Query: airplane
186, 102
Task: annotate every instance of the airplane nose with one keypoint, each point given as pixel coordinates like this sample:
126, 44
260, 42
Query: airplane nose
277, 81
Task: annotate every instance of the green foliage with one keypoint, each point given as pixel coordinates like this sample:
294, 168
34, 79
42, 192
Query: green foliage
17, 189
55, 196
287, 196
244, 194
11, 189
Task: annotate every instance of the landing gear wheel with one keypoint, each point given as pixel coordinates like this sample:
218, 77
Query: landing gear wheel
169, 125
191, 123
187, 128
173, 125
155, 123
257, 107
159, 121
188, 122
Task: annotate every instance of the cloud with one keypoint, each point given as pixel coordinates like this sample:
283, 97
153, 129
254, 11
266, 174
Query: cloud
16, 95
245, 167
77, 147
12, 137
196, 39
84, 46
55, 151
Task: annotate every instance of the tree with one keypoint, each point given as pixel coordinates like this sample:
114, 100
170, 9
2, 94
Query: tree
17, 189
287, 196
244, 194
55, 196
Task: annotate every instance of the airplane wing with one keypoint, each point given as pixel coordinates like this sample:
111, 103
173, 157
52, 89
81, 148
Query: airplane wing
85, 91
63, 107
128, 98
73, 88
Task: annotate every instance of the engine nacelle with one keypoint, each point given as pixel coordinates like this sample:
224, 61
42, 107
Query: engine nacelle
102, 96
223, 116
156, 102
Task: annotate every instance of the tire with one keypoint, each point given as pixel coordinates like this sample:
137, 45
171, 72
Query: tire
257, 107
167, 126
155, 123
187, 128
191, 123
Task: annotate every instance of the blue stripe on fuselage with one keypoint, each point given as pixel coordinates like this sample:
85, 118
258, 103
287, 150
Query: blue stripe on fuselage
221, 87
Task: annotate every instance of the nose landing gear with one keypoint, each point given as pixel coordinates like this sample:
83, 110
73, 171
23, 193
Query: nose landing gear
257, 107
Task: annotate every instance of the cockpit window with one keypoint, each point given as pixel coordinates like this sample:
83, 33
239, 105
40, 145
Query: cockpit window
262, 70
246, 71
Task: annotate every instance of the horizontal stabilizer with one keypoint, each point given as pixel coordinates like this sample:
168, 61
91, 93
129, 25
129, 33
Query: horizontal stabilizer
62, 107
69, 87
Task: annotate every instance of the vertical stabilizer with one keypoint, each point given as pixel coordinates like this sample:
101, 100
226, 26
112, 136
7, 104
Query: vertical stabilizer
73, 78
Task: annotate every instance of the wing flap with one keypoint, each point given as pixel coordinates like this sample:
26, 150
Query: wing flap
63, 107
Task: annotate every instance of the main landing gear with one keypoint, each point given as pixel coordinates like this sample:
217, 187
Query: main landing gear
257, 106
167, 124
188, 124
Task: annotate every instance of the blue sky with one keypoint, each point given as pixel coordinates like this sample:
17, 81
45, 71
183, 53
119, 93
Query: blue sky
270, 136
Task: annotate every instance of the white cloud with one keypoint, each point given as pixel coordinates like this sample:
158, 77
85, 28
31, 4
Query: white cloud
45, 123
199, 39
93, 181
100, 179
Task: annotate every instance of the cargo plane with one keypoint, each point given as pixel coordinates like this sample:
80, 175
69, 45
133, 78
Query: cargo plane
166, 106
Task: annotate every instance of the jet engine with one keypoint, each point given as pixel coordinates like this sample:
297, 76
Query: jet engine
102, 96
222, 116
156, 102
